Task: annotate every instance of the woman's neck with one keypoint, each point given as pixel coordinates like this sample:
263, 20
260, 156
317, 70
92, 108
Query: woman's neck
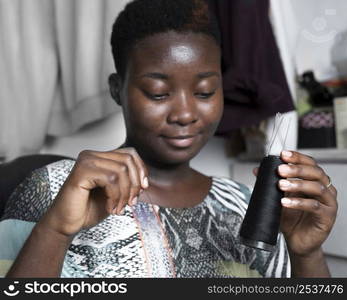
175, 186
169, 176
162, 176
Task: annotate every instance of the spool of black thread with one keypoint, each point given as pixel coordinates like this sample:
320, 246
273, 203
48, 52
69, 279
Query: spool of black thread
261, 223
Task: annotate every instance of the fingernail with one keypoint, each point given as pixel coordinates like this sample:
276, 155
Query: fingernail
286, 201
134, 201
145, 182
285, 183
284, 168
287, 153
121, 213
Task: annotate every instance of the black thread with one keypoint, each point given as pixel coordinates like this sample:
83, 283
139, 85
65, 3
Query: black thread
261, 223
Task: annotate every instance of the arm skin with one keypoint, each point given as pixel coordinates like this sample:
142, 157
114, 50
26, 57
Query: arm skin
42, 254
312, 266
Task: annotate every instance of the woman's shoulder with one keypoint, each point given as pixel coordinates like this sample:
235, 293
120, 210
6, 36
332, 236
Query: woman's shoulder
35, 193
229, 185
228, 196
57, 173
228, 188
60, 167
53, 175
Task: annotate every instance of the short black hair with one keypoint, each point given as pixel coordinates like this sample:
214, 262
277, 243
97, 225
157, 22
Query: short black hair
143, 18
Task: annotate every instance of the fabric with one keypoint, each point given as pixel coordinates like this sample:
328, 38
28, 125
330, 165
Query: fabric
13, 234
55, 60
14, 172
255, 86
201, 241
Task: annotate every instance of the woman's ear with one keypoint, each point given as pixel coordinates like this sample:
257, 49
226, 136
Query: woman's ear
114, 82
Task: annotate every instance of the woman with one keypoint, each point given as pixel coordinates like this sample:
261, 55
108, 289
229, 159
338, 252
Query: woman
141, 210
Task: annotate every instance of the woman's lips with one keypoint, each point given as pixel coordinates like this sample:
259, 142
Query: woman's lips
181, 141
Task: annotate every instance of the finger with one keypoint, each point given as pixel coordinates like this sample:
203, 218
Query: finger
133, 170
113, 194
123, 155
134, 177
325, 216
308, 205
111, 189
311, 188
100, 172
118, 186
333, 190
301, 171
297, 158
106, 180
255, 171
140, 164
124, 187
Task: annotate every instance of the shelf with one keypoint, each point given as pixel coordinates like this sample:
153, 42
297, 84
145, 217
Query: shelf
327, 155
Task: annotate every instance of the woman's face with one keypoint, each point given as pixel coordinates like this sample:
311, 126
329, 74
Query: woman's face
172, 96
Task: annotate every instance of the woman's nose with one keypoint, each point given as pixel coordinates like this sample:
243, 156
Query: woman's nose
183, 110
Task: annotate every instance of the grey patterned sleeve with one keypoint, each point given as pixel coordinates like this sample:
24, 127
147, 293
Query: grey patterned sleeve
278, 263
31, 198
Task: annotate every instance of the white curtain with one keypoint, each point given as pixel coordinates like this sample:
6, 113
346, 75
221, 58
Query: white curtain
284, 26
55, 58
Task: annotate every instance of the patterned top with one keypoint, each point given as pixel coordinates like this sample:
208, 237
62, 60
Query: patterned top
153, 241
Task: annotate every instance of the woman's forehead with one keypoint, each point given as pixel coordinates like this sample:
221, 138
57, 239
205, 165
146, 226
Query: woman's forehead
175, 49
182, 53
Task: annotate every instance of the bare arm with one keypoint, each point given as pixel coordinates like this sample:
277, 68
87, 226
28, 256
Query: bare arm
311, 266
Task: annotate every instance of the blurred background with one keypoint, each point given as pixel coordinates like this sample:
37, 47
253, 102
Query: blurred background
287, 56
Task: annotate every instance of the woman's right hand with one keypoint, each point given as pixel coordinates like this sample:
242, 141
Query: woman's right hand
100, 184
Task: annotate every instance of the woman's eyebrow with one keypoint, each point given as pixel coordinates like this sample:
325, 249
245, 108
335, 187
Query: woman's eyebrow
207, 74
155, 75
162, 76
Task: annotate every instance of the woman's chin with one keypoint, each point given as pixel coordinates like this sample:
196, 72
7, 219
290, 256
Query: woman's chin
178, 156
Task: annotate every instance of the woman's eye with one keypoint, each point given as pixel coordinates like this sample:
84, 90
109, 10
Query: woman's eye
160, 96
204, 95
156, 96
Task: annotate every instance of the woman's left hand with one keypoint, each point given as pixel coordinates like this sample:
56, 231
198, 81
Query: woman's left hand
310, 205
